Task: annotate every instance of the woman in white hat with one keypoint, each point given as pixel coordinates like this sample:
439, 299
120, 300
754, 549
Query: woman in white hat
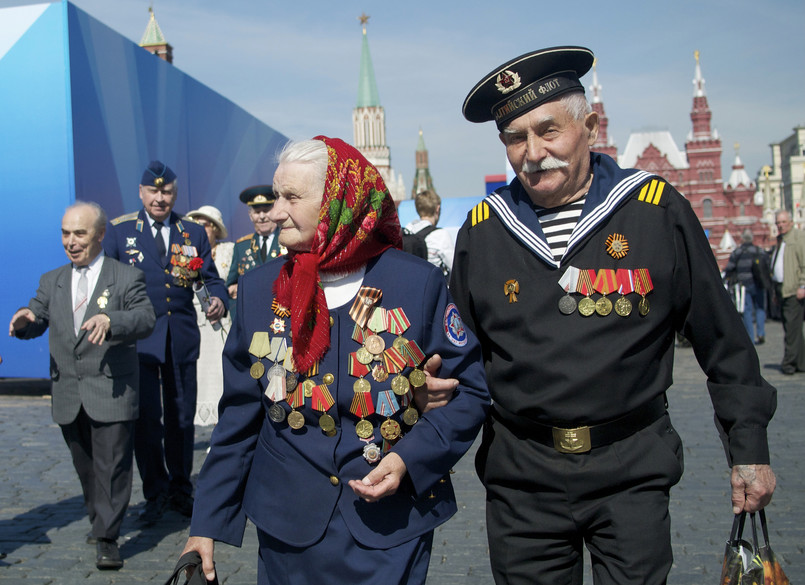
210, 374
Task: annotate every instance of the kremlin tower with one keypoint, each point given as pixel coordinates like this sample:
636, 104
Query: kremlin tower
154, 41
422, 178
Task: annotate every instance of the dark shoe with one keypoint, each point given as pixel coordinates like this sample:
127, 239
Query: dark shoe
91, 539
108, 555
760, 340
153, 510
182, 503
788, 370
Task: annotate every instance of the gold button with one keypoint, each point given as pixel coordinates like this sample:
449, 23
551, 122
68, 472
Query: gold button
169, 313
167, 285
332, 321
334, 480
166, 271
168, 299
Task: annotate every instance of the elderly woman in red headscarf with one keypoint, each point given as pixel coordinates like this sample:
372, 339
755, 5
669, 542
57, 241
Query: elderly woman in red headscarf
324, 440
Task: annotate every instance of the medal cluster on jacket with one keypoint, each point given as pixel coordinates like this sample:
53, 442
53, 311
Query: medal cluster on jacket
185, 269
606, 281
374, 359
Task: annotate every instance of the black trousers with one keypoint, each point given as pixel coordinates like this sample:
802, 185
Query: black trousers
544, 506
102, 457
793, 310
164, 434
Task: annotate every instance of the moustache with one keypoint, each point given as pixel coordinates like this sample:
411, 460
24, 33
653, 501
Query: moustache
547, 164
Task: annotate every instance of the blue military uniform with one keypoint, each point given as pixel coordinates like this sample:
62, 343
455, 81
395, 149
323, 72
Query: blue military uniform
169, 354
292, 482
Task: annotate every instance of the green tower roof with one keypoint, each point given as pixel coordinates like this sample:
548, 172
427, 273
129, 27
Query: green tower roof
367, 87
153, 34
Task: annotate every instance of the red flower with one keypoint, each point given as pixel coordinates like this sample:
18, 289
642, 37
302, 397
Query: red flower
195, 264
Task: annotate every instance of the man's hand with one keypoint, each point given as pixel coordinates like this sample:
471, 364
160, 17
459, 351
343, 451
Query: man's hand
382, 481
232, 289
98, 326
800, 294
20, 319
205, 547
752, 487
437, 391
216, 310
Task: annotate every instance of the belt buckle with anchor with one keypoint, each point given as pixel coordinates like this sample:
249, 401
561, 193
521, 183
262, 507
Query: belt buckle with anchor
572, 440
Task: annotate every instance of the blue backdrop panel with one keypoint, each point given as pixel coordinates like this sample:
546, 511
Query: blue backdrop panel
35, 172
130, 107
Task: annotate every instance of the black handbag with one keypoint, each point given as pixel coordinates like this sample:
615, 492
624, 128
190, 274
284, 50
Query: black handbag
750, 563
190, 560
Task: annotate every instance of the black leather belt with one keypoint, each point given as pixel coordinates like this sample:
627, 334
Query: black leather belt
582, 439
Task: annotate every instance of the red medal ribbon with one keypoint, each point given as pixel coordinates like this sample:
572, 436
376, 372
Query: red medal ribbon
321, 399
313, 371
363, 305
362, 405
625, 283
296, 399
414, 352
643, 284
358, 334
605, 281
585, 284
397, 321
279, 310
393, 360
356, 368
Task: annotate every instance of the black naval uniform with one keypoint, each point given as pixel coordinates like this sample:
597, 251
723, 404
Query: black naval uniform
549, 369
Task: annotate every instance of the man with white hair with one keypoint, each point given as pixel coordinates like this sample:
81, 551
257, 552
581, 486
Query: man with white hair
575, 278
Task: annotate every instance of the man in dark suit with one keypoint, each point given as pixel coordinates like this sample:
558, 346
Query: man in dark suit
95, 308
167, 248
257, 248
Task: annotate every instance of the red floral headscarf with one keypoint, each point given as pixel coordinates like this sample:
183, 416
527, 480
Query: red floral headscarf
357, 221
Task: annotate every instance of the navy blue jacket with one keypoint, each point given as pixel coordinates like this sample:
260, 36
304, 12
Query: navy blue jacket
288, 482
129, 239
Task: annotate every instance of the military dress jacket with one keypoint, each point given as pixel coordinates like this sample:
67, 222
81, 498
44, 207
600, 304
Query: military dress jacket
101, 378
246, 255
288, 482
570, 370
169, 282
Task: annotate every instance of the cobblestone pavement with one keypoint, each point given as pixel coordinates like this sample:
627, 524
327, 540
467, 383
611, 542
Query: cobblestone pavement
43, 525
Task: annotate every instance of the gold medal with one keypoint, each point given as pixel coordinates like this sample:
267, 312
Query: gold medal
400, 385
379, 373
623, 307
399, 343
296, 420
390, 430
362, 385
603, 306
374, 344
364, 429
586, 306
257, 370
364, 356
617, 246
410, 416
417, 378
326, 423
643, 306
307, 388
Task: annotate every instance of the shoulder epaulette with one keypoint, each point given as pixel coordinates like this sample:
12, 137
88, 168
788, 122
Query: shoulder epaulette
652, 191
128, 217
479, 213
190, 219
244, 238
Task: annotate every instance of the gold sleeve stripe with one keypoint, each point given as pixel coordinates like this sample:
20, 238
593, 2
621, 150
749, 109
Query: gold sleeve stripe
480, 212
652, 192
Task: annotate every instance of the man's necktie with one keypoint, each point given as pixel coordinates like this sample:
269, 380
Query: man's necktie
160, 241
81, 299
264, 249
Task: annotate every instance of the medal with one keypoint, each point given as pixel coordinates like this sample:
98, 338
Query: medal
374, 344
390, 430
570, 278
364, 429
643, 286
291, 381
379, 373
400, 385
393, 360
585, 287
257, 370
567, 305
307, 388
377, 322
361, 385
623, 306
372, 453
399, 343
397, 321
605, 283
364, 356
417, 378
410, 416
617, 246
276, 412
511, 289
296, 420
364, 304
326, 423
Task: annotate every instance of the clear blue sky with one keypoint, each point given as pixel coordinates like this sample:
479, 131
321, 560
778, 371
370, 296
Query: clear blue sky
295, 66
